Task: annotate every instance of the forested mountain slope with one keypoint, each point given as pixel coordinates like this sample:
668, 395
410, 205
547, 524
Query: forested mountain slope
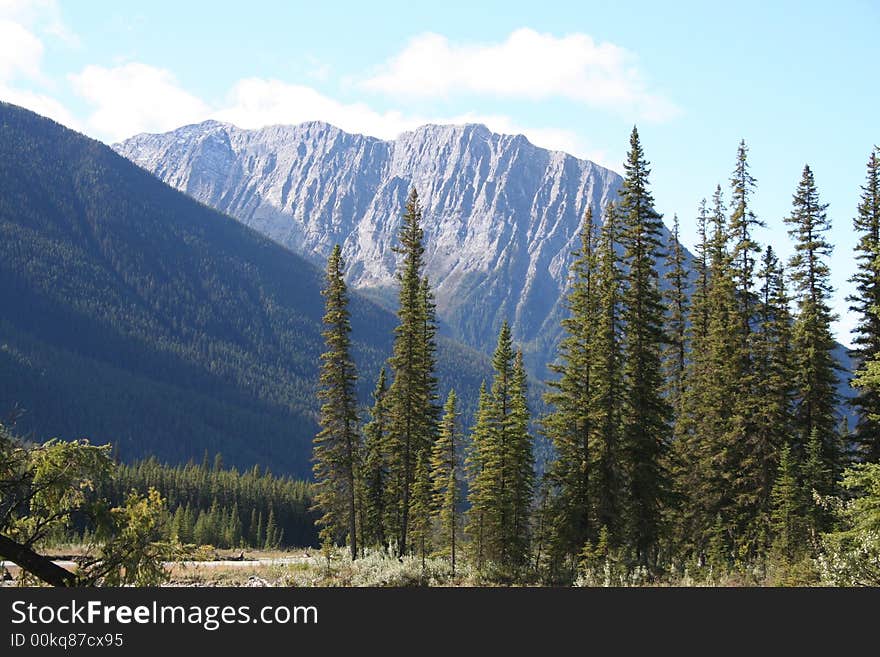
133, 314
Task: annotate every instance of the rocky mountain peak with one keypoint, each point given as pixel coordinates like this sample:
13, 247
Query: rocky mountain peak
501, 215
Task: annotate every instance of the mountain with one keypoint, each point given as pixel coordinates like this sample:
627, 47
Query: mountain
501, 216
133, 314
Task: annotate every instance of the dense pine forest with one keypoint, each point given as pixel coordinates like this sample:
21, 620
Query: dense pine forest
694, 424
210, 505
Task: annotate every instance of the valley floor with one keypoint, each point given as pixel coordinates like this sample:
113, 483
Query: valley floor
309, 567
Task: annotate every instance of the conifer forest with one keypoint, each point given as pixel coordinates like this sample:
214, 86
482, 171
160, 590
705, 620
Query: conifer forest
693, 411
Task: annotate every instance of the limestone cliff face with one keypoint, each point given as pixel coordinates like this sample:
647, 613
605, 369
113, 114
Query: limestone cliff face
501, 215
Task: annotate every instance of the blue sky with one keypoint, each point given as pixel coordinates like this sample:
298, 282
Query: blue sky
796, 80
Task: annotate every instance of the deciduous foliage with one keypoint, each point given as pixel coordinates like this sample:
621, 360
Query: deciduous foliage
44, 486
851, 555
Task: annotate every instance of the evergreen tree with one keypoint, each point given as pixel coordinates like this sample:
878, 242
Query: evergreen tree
748, 401
675, 354
816, 400
699, 300
772, 422
260, 534
501, 465
675, 358
375, 467
234, 537
428, 357
788, 506
568, 425
445, 475
253, 532
177, 531
273, 538
705, 455
498, 463
816, 477
336, 448
647, 414
480, 489
202, 534
522, 467
865, 301
685, 447
412, 406
421, 508
189, 525
745, 249
606, 403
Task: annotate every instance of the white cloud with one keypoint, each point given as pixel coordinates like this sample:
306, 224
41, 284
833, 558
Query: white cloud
45, 14
256, 102
527, 64
25, 10
557, 139
134, 98
20, 52
21, 56
41, 104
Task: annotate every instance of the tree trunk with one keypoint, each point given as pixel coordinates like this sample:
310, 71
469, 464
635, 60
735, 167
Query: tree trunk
35, 564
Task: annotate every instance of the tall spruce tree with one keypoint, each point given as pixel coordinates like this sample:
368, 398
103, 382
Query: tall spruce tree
773, 422
480, 517
747, 398
788, 506
498, 463
606, 403
685, 446
428, 357
336, 446
745, 249
445, 473
646, 414
699, 304
522, 467
375, 468
422, 508
411, 407
501, 462
568, 425
675, 356
816, 398
705, 456
865, 302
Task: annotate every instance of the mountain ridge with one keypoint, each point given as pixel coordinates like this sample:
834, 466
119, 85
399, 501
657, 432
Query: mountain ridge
501, 215
132, 314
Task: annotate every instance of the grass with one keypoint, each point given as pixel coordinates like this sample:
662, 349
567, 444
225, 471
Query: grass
308, 567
